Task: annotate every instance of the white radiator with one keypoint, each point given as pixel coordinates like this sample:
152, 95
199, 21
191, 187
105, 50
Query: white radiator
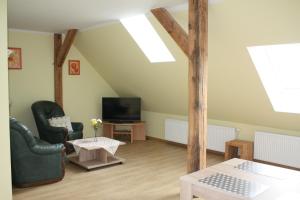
177, 131
276, 148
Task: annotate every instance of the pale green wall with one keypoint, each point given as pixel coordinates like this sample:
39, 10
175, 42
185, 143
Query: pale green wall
82, 94
5, 177
236, 96
155, 123
235, 92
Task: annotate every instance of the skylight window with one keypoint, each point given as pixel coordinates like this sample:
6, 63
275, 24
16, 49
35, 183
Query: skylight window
278, 67
140, 28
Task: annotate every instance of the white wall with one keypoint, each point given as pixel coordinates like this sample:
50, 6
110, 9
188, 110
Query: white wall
5, 173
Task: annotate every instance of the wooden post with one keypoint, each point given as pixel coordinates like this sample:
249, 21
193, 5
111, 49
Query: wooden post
173, 28
198, 36
57, 71
194, 45
60, 53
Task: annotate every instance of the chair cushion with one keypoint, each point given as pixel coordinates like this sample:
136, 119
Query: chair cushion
61, 122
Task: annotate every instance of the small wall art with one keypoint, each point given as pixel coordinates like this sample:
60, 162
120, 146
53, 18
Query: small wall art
74, 67
15, 58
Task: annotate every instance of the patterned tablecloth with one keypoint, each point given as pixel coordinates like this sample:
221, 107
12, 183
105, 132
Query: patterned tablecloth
110, 145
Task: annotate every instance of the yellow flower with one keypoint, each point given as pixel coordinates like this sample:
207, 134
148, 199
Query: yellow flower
94, 122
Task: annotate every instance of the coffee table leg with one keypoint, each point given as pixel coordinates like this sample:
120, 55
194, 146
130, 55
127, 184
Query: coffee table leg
85, 155
185, 191
102, 155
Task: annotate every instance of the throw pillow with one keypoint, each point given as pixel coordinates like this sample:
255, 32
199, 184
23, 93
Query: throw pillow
61, 122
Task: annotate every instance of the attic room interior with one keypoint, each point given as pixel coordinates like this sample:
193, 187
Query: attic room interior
150, 99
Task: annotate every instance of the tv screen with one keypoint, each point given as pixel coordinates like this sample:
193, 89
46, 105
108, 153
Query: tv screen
121, 109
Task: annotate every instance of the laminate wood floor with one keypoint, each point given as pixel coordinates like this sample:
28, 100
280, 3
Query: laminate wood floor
151, 172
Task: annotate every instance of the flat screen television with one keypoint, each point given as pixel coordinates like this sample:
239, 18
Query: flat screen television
121, 109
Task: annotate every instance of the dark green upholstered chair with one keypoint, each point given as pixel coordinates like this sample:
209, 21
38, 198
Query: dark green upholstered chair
45, 110
33, 161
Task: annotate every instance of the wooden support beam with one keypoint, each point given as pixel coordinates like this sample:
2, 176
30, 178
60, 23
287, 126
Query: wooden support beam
61, 51
198, 49
58, 93
64, 49
173, 28
195, 46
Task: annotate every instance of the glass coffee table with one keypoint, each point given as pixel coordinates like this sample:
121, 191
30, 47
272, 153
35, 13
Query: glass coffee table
95, 152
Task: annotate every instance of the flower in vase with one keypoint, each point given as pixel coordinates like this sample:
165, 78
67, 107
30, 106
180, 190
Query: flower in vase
96, 123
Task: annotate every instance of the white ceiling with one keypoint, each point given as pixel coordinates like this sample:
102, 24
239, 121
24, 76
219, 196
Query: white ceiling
60, 15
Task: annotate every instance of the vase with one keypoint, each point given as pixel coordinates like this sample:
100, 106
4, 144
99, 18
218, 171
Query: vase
95, 136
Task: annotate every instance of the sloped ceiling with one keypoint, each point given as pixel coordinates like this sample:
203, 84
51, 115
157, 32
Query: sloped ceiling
60, 15
235, 92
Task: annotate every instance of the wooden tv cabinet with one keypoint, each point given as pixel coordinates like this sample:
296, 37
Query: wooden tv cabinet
136, 130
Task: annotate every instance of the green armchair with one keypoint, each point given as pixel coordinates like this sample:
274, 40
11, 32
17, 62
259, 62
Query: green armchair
42, 112
33, 161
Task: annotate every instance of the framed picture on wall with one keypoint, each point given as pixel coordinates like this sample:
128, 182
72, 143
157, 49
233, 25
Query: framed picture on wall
15, 58
74, 67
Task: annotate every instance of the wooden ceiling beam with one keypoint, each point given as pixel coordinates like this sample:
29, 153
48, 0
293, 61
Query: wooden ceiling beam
61, 50
58, 93
172, 27
64, 49
57, 45
198, 54
195, 46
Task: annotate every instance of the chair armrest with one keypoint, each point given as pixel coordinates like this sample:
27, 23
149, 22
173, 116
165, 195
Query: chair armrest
77, 126
48, 149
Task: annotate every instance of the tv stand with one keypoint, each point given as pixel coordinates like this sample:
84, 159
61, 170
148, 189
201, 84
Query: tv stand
122, 122
136, 130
